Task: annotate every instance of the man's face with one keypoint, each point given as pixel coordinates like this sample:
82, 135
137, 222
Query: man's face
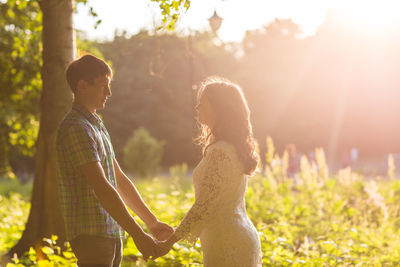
98, 92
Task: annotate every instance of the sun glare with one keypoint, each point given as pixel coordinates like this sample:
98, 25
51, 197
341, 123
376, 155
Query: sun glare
377, 16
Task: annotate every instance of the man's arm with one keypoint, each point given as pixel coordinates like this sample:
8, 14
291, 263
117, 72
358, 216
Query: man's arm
114, 205
132, 198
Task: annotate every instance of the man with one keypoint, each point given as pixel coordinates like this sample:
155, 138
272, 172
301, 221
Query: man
93, 189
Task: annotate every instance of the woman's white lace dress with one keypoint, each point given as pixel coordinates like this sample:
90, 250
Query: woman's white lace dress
218, 216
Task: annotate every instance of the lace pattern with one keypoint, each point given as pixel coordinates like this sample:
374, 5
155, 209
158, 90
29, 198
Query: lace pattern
216, 165
218, 216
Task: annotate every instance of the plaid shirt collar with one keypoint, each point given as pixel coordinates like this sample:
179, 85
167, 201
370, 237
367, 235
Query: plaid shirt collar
92, 118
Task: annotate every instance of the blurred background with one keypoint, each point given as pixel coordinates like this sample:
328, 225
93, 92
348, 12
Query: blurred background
315, 73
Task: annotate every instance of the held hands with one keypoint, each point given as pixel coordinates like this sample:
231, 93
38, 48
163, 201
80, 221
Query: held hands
161, 248
146, 245
149, 247
166, 245
161, 230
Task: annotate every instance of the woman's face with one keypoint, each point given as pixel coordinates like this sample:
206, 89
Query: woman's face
205, 111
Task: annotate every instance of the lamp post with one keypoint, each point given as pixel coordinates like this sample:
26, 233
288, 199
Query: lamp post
215, 22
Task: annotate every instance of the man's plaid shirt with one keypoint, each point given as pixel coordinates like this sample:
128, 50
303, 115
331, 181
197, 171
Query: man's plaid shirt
82, 138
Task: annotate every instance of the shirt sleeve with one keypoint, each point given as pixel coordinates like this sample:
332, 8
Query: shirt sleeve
80, 145
216, 172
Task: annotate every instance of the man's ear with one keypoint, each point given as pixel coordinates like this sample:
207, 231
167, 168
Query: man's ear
81, 85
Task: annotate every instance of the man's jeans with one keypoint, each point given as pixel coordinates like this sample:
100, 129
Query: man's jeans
99, 251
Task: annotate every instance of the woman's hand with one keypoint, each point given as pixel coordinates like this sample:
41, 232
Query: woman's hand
161, 230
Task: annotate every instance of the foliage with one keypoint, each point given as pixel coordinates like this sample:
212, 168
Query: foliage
13, 214
391, 167
170, 10
342, 220
20, 60
49, 255
20, 65
142, 153
85, 46
179, 170
8, 187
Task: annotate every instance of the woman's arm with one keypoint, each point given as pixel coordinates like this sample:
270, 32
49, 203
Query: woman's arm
216, 171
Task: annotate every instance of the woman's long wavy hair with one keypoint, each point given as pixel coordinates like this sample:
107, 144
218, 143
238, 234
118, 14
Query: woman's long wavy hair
232, 121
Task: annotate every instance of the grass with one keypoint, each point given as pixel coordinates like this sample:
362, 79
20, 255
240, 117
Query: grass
342, 219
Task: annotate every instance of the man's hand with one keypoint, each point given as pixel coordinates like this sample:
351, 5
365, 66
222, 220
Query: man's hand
146, 245
161, 230
163, 247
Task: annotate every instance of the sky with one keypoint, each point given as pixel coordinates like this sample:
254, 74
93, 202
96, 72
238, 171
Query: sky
238, 15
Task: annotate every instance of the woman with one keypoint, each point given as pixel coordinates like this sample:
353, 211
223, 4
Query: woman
218, 216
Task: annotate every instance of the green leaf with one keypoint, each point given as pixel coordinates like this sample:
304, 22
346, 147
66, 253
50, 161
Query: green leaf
68, 255
47, 250
45, 263
10, 14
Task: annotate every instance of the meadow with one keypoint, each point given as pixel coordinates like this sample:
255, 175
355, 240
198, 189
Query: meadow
319, 219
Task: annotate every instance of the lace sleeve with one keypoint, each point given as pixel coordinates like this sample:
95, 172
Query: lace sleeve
215, 173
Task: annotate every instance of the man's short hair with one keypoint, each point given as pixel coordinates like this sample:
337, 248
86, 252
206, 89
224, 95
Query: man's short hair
86, 68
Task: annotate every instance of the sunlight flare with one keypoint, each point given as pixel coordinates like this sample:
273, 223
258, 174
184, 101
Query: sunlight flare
373, 16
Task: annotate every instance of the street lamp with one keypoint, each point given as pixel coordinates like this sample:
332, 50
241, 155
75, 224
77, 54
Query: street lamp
215, 22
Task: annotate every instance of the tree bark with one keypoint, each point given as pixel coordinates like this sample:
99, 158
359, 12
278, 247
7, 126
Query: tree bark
5, 168
58, 38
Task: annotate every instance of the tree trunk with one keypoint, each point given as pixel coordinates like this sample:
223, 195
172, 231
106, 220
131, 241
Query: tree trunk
58, 38
5, 169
